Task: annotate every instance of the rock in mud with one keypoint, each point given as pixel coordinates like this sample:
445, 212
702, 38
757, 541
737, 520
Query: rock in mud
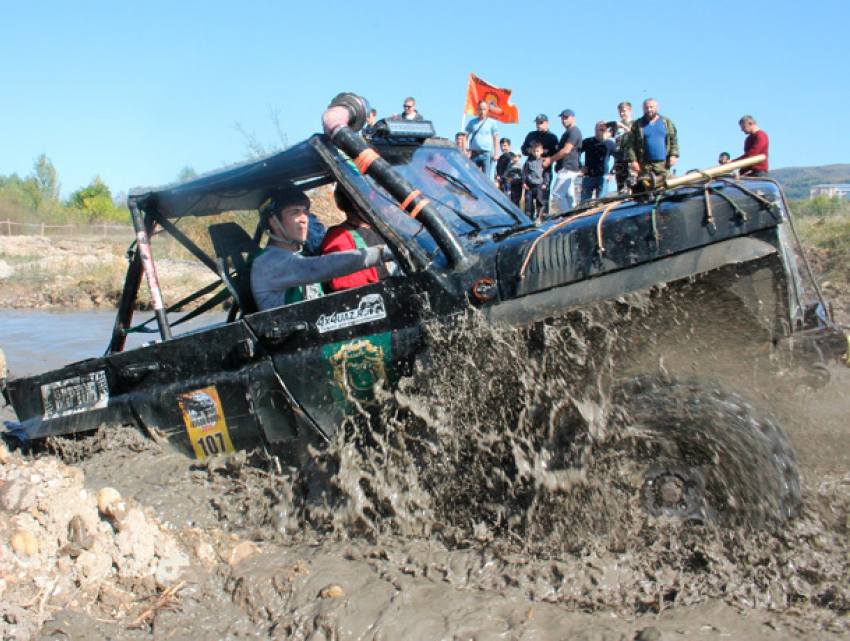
169, 570
24, 542
17, 495
241, 551
105, 498
648, 634
79, 538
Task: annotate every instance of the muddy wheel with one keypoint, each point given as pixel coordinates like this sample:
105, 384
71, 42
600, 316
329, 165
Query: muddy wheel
703, 453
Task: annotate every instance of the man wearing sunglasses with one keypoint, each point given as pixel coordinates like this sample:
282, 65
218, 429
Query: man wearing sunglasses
409, 112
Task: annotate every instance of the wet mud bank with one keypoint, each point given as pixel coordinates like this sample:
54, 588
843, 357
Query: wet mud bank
503, 499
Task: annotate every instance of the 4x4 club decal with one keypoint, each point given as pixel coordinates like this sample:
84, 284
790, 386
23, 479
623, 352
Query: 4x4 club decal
371, 308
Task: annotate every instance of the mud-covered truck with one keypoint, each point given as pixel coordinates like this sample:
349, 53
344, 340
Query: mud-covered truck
283, 379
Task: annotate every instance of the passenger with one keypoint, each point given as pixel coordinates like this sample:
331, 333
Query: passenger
354, 233
621, 136
653, 144
597, 152
536, 178
724, 158
483, 136
281, 274
567, 168
541, 135
755, 144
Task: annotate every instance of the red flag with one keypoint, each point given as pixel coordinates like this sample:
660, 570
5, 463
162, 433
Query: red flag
501, 108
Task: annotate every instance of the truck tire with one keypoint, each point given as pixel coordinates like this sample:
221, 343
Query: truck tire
703, 453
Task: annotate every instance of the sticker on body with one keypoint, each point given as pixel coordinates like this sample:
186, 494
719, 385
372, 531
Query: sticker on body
73, 395
205, 423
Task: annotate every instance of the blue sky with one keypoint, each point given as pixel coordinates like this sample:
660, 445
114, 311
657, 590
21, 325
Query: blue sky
136, 91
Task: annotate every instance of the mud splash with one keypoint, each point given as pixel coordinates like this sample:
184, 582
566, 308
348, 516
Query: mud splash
496, 494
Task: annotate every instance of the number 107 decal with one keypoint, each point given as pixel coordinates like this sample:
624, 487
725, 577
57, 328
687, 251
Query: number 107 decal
205, 423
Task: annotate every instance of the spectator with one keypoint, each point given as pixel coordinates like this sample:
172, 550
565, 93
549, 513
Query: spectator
409, 112
483, 137
621, 137
504, 160
371, 119
756, 143
281, 275
511, 179
354, 233
597, 152
536, 176
543, 135
567, 158
460, 141
653, 144
724, 158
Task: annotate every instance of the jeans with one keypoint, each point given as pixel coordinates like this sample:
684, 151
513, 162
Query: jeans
564, 191
483, 160
591, 185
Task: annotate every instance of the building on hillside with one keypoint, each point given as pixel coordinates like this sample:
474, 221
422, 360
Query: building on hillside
831, 191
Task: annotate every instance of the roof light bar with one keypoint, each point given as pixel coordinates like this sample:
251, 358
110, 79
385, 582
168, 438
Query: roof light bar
400, 128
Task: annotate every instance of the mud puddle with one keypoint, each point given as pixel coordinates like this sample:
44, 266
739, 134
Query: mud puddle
479, 505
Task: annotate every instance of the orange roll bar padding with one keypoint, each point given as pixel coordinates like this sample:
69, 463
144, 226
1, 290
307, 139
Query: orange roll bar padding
413, 194
364, 159
419, 207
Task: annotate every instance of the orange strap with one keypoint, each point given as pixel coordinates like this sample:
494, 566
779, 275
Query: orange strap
413, 194
419, 207
364, 160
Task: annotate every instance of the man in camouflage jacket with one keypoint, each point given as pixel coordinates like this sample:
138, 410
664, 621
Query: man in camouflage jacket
653, 144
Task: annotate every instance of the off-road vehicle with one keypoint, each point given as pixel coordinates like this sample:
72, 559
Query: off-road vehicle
281, 379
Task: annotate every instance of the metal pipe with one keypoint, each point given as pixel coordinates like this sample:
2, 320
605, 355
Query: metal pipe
144, 249
410, 199
714, 171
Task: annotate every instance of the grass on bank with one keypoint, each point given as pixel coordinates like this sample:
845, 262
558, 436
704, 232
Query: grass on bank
824, 228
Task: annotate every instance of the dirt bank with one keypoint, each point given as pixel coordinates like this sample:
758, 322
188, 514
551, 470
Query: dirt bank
44, 273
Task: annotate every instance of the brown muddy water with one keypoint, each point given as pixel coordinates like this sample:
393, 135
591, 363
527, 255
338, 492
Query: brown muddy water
498, 494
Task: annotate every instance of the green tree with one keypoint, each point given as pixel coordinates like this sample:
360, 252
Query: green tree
46, 180
94, 201
42, 188
186, 174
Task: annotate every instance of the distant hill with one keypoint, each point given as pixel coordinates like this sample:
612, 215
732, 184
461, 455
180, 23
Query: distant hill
797, 181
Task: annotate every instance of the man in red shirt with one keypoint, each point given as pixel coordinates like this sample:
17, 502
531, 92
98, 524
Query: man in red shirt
354, 233
755, 144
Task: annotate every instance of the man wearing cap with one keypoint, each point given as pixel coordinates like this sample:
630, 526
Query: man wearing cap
543, 135
567, 165
281, 275
653, 144
483, 139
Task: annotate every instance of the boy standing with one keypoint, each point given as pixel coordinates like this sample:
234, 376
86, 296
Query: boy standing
503, 163
510, 182
536, 176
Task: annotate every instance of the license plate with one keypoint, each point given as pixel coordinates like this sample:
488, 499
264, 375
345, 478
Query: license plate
76, 394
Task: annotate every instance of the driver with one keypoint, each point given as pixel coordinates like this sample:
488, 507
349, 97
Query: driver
281, 274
